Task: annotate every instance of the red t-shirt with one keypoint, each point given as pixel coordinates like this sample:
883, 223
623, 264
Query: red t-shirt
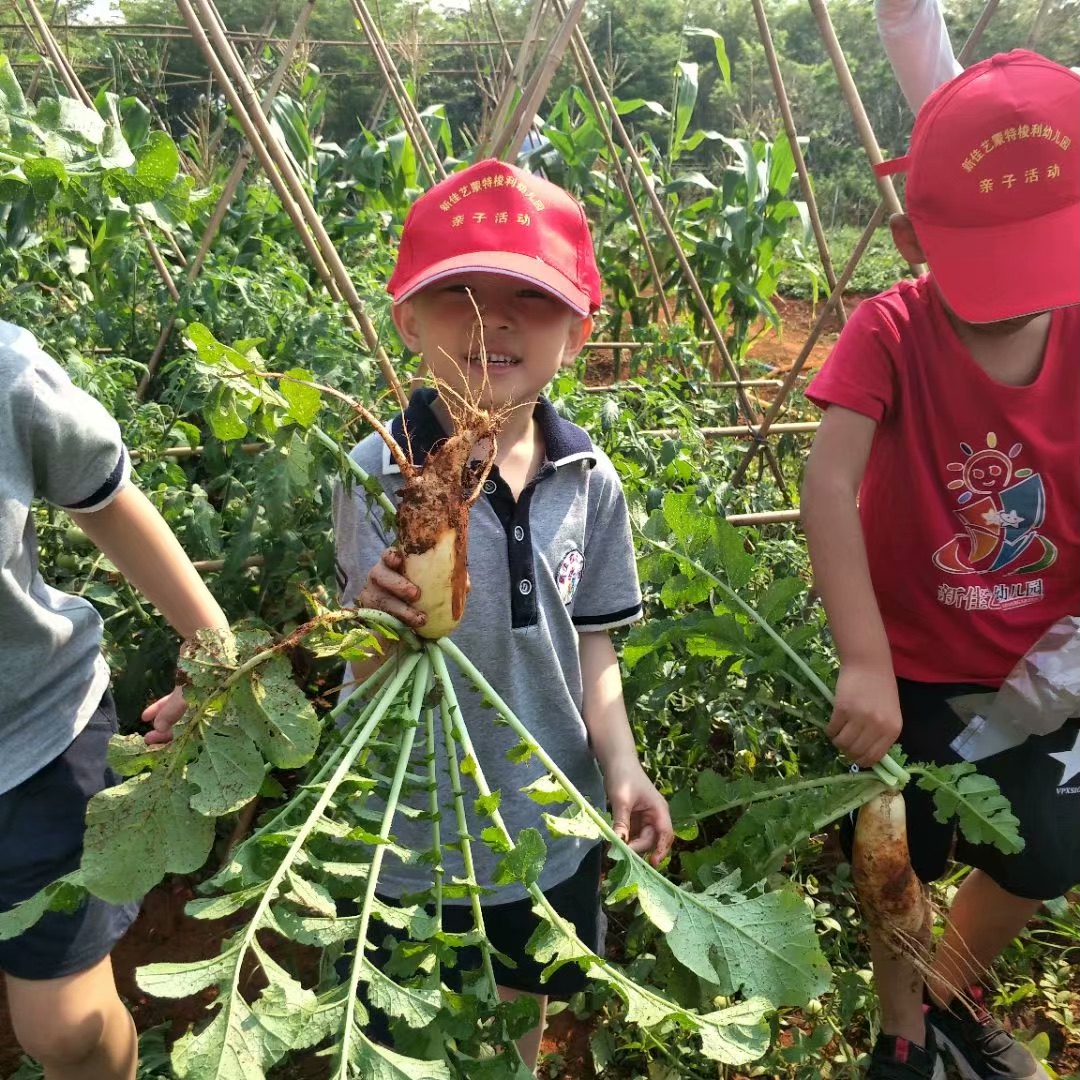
970, 503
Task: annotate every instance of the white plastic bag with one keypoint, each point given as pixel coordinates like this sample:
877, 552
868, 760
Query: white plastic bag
1040, 694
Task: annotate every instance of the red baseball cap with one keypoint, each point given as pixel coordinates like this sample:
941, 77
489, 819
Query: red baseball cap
993, 188
495, 218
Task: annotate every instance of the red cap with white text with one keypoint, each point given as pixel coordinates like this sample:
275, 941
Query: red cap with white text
495, 218
993, 188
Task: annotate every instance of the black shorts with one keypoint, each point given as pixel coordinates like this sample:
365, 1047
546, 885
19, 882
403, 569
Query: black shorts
42, 821
509, 927
1044, 791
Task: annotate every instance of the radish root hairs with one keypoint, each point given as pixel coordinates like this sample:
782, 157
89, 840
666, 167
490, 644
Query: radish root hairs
433, 515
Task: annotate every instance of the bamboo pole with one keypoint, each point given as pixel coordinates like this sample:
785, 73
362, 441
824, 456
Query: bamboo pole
514, 82
78, 91
976, 34
175, 32
410, 117
507, 142
56, 55
508, 60
737, 431
535, 93
578, 45
225, 199
688, 273
854, 102
633, 387
40, 64
1036, 25
277, 164
796, 150
767, 517
242, 99
780, 400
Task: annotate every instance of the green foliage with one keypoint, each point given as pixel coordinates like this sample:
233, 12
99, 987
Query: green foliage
983, 813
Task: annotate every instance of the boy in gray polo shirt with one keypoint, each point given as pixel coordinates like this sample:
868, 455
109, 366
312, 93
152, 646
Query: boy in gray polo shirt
56, 714
498, 250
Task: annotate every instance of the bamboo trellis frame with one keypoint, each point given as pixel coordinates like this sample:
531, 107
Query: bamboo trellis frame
243, 159
215, 41
748, 411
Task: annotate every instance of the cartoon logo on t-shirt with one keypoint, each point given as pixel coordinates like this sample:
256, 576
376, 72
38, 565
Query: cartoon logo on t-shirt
1001, 510
568, 576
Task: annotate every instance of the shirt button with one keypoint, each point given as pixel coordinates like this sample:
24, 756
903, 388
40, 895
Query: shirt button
525, 587
489, 487
519, 533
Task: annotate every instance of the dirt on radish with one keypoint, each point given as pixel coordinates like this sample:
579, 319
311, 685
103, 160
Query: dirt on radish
894, 901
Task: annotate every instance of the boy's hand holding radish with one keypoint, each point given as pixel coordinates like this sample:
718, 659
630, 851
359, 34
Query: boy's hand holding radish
866, 718
387, 589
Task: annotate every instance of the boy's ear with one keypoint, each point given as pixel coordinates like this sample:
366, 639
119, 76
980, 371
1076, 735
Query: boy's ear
905, 240
580, 331
404, 316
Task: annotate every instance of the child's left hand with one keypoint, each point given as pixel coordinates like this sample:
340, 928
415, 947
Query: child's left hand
639, 813
163, 714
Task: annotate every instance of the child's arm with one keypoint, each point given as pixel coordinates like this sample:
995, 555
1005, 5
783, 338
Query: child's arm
142, 547
639, 812
917, 43
866, 715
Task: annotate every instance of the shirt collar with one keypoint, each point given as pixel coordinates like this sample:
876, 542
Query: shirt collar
564, 441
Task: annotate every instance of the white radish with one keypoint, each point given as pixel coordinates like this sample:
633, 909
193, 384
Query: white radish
894, 901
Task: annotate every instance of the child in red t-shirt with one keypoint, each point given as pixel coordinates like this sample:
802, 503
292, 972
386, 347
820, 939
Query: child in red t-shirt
942, 509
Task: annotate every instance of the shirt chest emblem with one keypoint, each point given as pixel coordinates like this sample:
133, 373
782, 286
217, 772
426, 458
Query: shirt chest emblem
568, 576
1001, 510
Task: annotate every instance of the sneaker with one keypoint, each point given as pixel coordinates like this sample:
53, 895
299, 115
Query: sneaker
981, 1048
895, 1058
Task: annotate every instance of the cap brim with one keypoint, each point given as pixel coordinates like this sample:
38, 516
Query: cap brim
998, 272
523, 267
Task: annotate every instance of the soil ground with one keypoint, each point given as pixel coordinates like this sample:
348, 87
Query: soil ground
163, 933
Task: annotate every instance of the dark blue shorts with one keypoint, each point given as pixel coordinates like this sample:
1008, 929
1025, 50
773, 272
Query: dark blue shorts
509, 927
1040, 778
41, 833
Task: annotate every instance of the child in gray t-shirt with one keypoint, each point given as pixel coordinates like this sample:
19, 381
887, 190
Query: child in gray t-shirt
496, 250
57, 443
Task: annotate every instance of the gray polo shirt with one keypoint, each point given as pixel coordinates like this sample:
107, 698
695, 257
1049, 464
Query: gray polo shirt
556, 562
59, 444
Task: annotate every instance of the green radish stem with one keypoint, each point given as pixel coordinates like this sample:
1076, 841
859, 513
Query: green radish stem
887, 770
247, 936
360, 722
781, 790
420, 675
656, 1004
467, 667
453, 725
436, 832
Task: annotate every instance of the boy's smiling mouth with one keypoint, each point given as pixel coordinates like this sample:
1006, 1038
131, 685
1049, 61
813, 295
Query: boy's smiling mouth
494, 360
